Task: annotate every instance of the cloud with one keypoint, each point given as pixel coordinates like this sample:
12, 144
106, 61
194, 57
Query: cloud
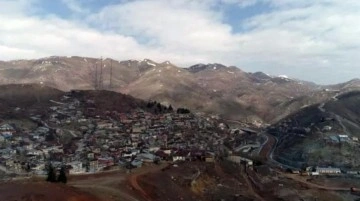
75, 6
303, 39
171, 25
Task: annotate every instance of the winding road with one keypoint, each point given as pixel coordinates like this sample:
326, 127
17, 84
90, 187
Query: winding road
267, 152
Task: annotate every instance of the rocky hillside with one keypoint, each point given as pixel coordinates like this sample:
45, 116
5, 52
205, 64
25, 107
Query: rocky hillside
41, 191
212, 88
19, 100
321, 135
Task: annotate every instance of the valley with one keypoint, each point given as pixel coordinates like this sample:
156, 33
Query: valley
155, 131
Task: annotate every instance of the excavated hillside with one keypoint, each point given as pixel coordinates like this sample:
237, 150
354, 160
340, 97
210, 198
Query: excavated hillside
325, 134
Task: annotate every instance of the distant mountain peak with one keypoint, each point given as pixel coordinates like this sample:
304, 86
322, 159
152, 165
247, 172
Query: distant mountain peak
200, 67
283, 76
261, 76
166, 63
149, 62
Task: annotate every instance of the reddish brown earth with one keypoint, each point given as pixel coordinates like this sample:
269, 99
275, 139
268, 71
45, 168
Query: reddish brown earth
42, 191
184, 183
266, 149
116, 185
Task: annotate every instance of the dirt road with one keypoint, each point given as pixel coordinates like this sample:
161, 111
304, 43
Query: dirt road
115, 185
252, 190
312, 185
107, 186
133, 179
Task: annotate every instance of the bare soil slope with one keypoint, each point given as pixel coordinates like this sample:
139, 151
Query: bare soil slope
42, 191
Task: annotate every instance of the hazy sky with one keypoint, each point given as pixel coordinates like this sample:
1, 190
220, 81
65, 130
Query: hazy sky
316, 40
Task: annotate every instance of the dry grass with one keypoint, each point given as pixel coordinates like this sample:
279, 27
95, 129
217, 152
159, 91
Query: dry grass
204, 182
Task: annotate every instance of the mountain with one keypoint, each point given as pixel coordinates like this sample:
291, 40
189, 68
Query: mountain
19, 100
346, 86
211, 88
324, 134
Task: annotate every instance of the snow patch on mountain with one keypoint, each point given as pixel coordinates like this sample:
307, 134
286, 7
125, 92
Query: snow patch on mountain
283, 76
151, 64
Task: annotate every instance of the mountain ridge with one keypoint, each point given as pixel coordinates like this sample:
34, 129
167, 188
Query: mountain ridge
212, 88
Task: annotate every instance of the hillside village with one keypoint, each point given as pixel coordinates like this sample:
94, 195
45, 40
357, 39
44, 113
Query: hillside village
76, 132
86, 142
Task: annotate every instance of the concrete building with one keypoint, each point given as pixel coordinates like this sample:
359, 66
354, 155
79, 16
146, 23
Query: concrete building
328, 170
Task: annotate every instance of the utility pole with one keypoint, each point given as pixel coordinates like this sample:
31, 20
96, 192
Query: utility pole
96, 77
110, 85
101, 74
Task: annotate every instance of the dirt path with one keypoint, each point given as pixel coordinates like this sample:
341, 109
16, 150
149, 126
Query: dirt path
109, 186
252, 190
133, 179
107, 192
312, 185
115, 185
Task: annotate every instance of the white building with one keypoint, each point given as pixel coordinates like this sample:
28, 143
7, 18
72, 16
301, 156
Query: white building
328, 170
77, 167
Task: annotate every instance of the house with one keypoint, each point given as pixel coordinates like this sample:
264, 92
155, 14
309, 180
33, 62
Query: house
162, 155
327, 128
343, 138
181, 155
76, 167
154, 149
334, 139
328, 170
146, 157
93, 166
90, 155
179, 158
209, 159
167, 151
136, 163
106, 162
352, 172
239, 159
104, 125
314, 173
7, 130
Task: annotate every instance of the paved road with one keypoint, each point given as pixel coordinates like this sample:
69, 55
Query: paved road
268, 153
321, 107
246, 146
267, 150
